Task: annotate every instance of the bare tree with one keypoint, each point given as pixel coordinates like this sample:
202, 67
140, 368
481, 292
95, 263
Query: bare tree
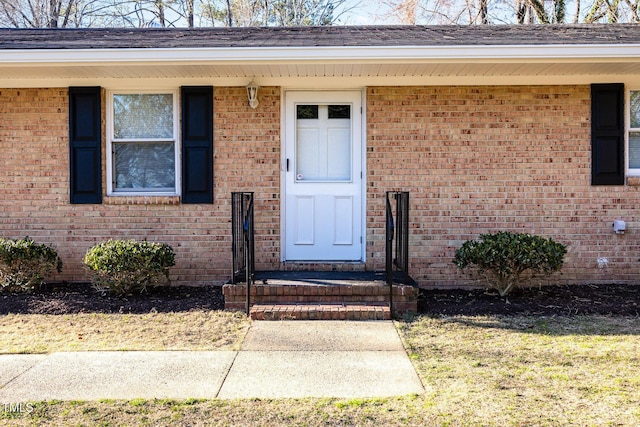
185, 8
556, 11
58, 13
146, 13
234, 13
605, 11
460, 12
303, 12
555, 15
403, 11
36, 13
482, 12
634, 9
247, 13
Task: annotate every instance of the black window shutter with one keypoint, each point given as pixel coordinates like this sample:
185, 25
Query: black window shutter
197, 144
85, 136
607, 134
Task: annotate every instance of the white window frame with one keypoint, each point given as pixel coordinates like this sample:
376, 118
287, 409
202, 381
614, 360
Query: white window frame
111, 190
628, 130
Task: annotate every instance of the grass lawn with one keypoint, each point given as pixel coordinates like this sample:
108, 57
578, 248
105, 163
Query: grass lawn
191, 330
482, 371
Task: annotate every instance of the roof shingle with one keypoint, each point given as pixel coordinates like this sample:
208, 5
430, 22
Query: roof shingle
336, 36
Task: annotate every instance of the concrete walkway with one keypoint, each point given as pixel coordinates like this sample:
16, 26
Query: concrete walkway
286, 359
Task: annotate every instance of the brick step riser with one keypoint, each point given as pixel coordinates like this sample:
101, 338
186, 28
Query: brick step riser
314, 295
319, 290
292, 299
404, 297
327, 299
319, 312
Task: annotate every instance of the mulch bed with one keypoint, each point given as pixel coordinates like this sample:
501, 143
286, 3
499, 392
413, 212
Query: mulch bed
64, 298
618, 300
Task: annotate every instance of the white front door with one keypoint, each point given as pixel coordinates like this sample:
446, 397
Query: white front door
323, 177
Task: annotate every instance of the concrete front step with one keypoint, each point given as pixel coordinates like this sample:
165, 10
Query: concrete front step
319, 312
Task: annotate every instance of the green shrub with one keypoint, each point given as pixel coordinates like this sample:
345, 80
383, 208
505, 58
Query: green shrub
24, 264
127, 267
507, 259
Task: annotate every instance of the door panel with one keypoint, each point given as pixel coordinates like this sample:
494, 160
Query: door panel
339, 154
304, 220
343, 220
308, 153
323, 204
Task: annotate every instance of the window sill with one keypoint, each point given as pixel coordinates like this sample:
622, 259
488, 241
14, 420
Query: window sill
633, 181
141, 200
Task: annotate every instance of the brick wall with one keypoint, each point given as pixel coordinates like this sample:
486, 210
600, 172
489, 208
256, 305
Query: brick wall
484, 159
247, 158
475, 159
34, 179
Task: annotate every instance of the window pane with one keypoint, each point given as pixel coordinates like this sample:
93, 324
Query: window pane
635, 109
307, 111
634, 150
339, 111
142, 116
323, 147
148, 166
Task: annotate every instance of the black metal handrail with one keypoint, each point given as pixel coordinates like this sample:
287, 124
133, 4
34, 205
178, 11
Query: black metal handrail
401, 260
397, 228
243, 243
390, 231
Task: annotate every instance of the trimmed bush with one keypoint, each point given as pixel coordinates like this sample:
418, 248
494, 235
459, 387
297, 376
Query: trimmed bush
506, 260
24, 264
127, 267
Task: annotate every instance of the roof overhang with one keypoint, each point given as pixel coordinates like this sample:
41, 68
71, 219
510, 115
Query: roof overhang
322, 66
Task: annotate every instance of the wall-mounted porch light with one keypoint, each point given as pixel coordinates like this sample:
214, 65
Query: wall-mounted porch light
252, 94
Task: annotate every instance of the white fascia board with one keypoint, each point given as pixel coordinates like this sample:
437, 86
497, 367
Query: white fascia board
326, 82
385, 54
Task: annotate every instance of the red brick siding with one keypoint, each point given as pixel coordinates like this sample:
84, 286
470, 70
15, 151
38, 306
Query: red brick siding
484, 159
34, 152
475, 159
247, 158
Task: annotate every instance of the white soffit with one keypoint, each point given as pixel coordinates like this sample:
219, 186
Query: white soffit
278, 65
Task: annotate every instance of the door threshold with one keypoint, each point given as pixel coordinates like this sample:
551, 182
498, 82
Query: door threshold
323, 266
321, 262
297, 275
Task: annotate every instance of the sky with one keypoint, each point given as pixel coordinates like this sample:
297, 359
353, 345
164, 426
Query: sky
362, 12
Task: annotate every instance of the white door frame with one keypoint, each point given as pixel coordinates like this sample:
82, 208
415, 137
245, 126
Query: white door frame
284, 121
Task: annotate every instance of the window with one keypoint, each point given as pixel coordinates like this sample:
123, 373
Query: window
145, 155
634, 132
143, 143
323, 142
